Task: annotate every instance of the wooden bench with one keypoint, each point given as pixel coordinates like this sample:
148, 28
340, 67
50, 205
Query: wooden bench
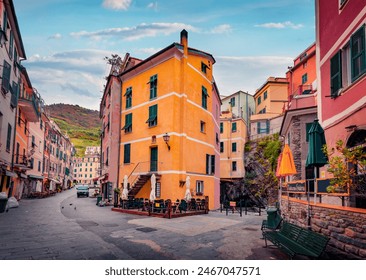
295, 240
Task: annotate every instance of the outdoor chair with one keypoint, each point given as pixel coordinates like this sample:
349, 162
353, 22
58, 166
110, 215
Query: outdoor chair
182, 206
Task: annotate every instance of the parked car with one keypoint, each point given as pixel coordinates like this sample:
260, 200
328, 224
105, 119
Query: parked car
82, 190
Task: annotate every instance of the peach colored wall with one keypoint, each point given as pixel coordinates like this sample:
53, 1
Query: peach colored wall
180, 112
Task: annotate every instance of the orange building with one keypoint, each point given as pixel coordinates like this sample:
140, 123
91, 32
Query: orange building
170, 124
301, 78
233, 133
270, 100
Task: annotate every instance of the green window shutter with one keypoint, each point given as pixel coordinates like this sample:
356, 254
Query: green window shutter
153, 115
127, 153
268, 125
6, 76
258, 127
5, 21
204, 97
265, 95
153, 86
304, 78
212, 164
11, 44
233, 127
221, 127
233, 147
208, 158
358, 53
128, 123
221, 147
259, 100
335, 74
8, 139
128, 95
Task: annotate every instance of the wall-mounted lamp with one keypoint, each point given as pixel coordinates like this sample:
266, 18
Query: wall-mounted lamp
166, 138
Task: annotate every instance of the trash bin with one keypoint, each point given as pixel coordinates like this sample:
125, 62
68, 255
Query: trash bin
99, 199
272, 213
3, 202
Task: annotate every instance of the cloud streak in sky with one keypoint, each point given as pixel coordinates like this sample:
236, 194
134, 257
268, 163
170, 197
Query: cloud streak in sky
73, 76
280, 25
137, 32
117, 4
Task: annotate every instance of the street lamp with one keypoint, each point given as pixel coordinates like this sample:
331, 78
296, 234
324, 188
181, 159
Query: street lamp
166, 138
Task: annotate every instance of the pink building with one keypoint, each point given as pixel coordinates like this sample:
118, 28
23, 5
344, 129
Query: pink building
341, 71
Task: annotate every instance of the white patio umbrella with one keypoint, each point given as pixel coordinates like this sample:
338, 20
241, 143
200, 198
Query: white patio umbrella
152, 193
188, 195
125, 188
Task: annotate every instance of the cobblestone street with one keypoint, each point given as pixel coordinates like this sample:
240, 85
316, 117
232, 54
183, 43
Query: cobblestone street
66, 227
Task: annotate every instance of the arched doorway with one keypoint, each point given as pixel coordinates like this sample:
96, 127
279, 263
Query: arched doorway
358, 140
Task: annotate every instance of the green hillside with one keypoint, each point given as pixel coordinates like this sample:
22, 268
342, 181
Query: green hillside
81, 125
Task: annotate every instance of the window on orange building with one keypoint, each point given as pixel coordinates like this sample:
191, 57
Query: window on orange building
127, 153
199, 187
259, 100
265, 95
304, 78
128, 123
221, 127
204, 68
233, 147
128, 95
203, 127
233, 166
153, 86
153, 115
204, 97
233, 127
221, 147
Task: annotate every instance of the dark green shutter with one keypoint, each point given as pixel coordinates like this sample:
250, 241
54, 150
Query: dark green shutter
207, 164
258, 127
127, 153
268, 124
335, 74
6, 76
358, 53
212, 164
8, 139
221, 127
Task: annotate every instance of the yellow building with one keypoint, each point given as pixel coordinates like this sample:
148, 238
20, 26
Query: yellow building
233, 134
270, 100
173, 95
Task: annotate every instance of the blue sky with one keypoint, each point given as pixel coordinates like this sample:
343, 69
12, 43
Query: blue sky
66, 40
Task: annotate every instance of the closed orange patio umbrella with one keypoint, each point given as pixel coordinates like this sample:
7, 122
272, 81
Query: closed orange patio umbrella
285, 167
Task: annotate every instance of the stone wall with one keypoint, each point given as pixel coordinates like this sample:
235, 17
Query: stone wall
346, 227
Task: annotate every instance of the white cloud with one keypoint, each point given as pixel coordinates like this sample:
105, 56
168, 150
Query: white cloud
153, 6
223, 28
136, 32
148, 51
248, 73
55, 36
280, 25
74, 77
117, 4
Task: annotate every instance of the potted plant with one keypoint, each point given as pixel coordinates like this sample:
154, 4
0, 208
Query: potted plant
342, 162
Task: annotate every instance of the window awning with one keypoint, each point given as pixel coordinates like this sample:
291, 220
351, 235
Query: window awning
151, 119
35, 177
24, 176
11, 174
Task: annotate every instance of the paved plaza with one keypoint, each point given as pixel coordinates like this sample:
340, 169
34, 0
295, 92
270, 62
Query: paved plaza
66, 227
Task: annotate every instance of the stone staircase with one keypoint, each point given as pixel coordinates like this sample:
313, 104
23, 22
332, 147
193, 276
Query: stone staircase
140, 182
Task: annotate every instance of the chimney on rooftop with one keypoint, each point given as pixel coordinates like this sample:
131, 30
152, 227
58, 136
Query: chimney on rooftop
184, 41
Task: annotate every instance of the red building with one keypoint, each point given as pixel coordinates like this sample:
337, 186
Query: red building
341, 68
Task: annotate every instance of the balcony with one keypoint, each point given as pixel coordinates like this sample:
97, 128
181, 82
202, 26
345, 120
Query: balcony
302, 97
30, 105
